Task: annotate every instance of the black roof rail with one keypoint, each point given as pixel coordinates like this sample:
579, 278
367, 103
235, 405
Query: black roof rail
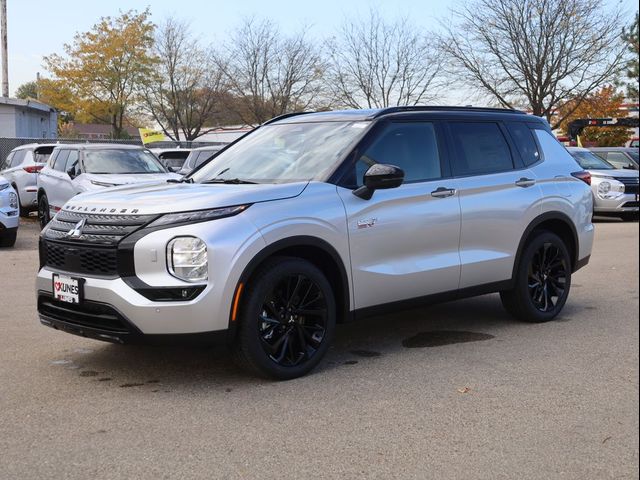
283, 116
420, 108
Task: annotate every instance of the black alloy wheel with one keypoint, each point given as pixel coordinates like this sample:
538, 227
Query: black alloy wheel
293, 321
541, 281
286, 319
43, 211
547, 277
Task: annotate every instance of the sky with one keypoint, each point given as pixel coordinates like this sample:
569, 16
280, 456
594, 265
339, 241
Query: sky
41, 27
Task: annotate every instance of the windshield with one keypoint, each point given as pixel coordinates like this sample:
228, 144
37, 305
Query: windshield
284, 153
121, 161
589, 161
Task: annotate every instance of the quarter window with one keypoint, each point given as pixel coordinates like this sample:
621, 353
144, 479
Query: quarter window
481, 147
411, 146
525, 143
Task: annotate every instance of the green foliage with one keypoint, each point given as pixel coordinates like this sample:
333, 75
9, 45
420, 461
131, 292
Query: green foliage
27, 90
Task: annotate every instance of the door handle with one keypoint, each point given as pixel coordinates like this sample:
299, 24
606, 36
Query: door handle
525, 182
442, 192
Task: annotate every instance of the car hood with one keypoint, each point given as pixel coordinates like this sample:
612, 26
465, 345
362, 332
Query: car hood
615, 173
124, 179
165, 197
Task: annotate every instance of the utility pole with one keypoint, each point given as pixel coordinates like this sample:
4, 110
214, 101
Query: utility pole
5, 62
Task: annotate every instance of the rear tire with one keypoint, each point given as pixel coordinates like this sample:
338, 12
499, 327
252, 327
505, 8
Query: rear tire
542, 280
44, 215
286, 319
8, 238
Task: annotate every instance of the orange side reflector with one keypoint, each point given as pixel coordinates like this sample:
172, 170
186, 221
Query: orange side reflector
236, 300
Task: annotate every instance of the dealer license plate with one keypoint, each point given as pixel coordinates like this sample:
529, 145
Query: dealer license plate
67, 289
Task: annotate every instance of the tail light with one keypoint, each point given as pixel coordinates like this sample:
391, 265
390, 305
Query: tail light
33, 168
582, 175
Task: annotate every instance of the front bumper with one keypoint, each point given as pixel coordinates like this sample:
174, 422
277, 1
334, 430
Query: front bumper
9, 218
113, 311
626, 202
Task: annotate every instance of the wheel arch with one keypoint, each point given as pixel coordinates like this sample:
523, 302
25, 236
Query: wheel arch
316, 251
555, 222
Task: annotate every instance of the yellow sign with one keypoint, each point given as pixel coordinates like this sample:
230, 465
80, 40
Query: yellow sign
149, 136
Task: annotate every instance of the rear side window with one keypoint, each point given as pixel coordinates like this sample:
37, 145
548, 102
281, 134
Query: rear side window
481, 147
202, 157
60, 162
41, 155
411, 146
618, 159
525, 143
7, 161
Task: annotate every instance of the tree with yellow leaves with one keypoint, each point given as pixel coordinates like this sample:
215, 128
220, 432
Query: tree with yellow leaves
604, 103
103, 71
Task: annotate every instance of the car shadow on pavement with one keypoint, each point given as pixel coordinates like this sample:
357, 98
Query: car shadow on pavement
165, 369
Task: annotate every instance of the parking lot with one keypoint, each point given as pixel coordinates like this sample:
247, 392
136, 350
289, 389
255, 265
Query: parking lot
457, 390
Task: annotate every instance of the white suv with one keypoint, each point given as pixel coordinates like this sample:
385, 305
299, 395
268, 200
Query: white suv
9, 219
322, 218
74, 169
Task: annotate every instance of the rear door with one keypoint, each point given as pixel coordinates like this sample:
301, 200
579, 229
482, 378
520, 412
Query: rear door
498, 199
403, 241
54, 180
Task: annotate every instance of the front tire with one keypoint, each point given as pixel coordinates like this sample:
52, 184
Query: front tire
8, 239
24, 211
542, 280
44, 215
286, 319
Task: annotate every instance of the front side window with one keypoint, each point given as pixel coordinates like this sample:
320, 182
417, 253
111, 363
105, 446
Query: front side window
482, 149
284, 153
121, 161
60, 162
18, 157
72, 167
618, 159
411, 146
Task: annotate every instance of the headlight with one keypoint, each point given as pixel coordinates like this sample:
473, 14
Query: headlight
13, 200
197, 216
608, 189
187, 259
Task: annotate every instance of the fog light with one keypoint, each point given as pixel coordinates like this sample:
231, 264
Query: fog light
187, 259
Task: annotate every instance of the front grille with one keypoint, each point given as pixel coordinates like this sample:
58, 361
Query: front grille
99, 229
81, 259
630, 184
87, 314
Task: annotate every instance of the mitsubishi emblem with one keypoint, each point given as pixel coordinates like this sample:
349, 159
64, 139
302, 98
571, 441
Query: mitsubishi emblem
76, 231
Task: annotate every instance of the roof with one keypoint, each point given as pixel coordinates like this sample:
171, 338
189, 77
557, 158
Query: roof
35, 145
102, 129
210, 147
31, 104
370, 114
100, 146
615, 149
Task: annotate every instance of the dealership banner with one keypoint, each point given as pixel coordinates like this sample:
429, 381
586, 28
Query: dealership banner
149, 136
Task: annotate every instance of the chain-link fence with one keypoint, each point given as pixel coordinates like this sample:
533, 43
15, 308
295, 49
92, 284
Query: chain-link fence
8, 144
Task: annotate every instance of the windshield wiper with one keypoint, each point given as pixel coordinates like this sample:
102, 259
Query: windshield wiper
233, 181
180, 180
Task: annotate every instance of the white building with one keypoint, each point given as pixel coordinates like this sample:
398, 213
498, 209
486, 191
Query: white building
27, 119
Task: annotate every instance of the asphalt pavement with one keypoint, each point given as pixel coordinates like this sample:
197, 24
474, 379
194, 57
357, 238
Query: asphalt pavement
453, 391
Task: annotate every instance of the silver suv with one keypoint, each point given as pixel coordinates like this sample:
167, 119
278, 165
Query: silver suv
321, 218
21, 168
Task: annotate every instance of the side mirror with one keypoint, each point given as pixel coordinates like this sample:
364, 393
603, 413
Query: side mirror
72, 173
379, 176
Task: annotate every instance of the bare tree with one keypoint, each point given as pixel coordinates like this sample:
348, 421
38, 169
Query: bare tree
375, 64
185, 91
270, 74
535, 54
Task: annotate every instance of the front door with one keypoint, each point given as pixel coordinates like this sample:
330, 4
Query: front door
404, 241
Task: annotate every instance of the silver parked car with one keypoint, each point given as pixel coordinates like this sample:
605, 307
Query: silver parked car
615, 192
9, 219
21, 168
74, 169
197, 157
321, 218
171, 158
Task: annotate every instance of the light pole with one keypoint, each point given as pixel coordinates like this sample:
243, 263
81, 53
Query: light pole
5, 62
